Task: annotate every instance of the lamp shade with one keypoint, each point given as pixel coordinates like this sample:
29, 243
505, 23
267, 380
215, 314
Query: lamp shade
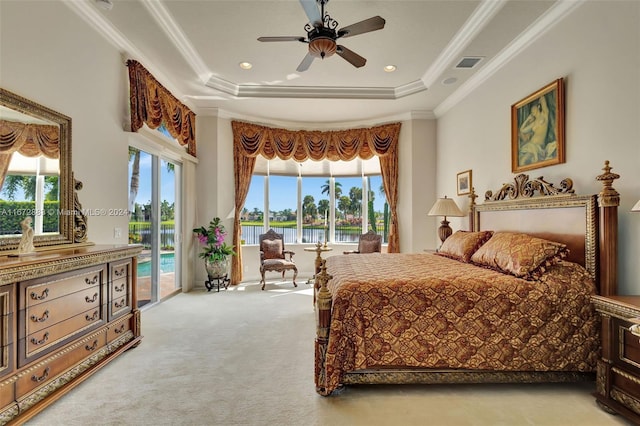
636, 207
445, 207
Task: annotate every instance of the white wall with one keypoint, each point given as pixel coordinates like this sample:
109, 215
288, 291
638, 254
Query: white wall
65, 65
597, 50
68, 67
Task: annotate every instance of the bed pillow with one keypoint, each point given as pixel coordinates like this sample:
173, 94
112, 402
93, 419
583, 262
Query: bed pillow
462, 244
519, 254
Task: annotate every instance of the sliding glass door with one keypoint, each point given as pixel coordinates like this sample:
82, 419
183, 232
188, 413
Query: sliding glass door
154, 222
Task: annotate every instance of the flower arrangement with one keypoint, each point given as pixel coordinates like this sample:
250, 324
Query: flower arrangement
212, 239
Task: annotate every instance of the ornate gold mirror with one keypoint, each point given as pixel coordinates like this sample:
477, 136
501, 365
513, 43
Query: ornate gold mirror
35, 173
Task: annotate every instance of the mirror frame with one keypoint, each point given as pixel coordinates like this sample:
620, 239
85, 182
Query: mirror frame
66, 216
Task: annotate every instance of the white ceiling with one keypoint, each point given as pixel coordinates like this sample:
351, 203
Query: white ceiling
194, 48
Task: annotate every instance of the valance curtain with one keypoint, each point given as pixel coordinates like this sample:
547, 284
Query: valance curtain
251, 140
152, 104
29, 139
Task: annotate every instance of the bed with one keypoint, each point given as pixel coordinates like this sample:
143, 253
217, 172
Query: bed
479, 311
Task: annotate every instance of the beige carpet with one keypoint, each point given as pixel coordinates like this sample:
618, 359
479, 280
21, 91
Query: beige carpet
245, 357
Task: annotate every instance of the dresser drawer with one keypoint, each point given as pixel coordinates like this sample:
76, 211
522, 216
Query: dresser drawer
7, 362
120, 270
46, 340
40, 290
44, 371
118, 328
7, 393
119, 306
46, 314
626, 346
7, 329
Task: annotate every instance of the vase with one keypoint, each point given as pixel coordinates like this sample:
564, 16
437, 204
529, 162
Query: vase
217, 268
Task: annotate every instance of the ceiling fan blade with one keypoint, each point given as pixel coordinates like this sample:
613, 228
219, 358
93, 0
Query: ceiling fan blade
368, 25
282, 38
351, 57
311, 9
306, 63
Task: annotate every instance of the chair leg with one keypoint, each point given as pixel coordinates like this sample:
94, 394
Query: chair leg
295, 274
262, 280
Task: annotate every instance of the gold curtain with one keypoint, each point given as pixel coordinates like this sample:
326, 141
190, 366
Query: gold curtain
251, 140
153, 104
29, 139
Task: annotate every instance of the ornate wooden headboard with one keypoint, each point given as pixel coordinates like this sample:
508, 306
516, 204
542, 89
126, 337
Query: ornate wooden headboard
587, 224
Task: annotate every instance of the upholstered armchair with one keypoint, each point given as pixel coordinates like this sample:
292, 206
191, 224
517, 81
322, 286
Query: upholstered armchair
274, 257
368, 243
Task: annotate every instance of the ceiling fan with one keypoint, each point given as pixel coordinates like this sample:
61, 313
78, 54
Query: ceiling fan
322, 34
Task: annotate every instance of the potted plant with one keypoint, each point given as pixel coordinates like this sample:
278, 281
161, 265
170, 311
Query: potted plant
215, 252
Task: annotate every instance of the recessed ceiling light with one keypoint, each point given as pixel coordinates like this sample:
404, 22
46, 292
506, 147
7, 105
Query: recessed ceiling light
448, 81
246, 65
389, 68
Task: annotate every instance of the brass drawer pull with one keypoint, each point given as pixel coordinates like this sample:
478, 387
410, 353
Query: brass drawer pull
92, 347
42, 378
120, 272
635, 330
122, 303
43, 318
43, 295
119, 329
93, 317
95, 297
120, 288
40, 342
92, 281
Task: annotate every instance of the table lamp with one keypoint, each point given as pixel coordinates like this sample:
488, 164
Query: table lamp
445, 207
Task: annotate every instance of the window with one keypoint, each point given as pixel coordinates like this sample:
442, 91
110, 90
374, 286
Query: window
30, 188
339, 208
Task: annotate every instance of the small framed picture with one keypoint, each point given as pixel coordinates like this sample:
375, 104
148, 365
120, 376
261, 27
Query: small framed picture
464, 182
537, 128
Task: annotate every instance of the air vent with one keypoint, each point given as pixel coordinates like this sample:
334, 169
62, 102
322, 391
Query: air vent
469, 62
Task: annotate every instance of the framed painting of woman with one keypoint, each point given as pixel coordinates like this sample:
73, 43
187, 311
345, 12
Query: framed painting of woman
537, 128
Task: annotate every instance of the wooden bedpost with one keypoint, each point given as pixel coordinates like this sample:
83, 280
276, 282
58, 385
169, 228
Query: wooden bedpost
608, 202
323, 322
472, 209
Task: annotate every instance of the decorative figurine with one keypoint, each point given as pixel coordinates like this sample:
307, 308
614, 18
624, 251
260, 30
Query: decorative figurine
26, 243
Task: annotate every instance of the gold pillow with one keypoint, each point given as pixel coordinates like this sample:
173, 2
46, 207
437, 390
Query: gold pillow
519, 254
462, 244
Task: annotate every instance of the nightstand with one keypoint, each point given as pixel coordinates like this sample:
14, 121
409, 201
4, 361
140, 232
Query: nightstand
618, 373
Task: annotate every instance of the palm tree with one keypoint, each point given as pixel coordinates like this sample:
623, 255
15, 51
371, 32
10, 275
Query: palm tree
323, 207
344, 204
134, 185
355, 195
326, 188
309, 210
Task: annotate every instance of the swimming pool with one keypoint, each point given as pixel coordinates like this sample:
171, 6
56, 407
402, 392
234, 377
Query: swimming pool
167, 264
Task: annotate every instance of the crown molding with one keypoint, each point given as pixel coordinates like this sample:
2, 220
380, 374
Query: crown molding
95, 20
479, 19
555, 14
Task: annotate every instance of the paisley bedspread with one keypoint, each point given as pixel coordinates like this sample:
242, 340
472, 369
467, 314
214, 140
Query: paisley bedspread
427, 311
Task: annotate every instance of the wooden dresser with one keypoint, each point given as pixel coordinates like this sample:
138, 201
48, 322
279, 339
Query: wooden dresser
63, 315
618, 376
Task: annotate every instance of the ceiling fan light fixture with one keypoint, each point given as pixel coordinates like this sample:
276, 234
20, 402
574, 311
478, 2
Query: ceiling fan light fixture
322, 47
